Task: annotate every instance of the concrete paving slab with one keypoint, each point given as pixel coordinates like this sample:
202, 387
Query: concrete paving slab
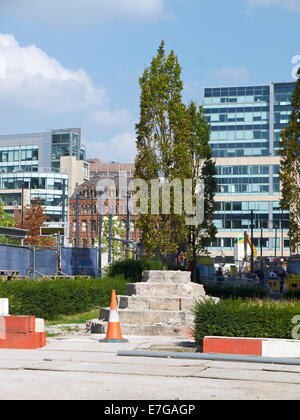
86, 369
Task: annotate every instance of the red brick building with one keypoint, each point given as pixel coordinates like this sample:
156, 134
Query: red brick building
88, 213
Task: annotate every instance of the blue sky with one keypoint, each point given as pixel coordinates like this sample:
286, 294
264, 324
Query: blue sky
72, 63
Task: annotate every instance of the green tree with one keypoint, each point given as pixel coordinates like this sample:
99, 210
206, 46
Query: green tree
34, 219
5, 221
290, 169
203, 168
117, 231
162, 151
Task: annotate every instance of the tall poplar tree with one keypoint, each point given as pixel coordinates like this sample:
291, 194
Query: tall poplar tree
162, 151
290, 169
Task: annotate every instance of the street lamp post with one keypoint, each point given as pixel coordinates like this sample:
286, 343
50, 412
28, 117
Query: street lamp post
127, 225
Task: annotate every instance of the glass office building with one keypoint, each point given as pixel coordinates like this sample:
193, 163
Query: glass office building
31, 166
245, 132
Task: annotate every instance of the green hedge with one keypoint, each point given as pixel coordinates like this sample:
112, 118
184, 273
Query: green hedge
245, 318
292, 294
133, 270
228, 292
49, 298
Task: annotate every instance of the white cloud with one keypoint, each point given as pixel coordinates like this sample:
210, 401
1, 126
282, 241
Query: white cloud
121, 149
292, 5
231, 74
29, 77
83, 11
37, 92
104, 118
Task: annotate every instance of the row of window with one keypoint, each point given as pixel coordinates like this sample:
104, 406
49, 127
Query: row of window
245, 224
50, 200
243, 189
85, 243
245, 145
240, 153
238, 180
243, 170
93, 226
239, 99
240, 109
265, 243
19, 154
41, 183
242, 128
7, 169
84, 226
237, 91
229, 118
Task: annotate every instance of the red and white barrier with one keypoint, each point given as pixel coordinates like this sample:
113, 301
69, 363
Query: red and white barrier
20, 332
264, 347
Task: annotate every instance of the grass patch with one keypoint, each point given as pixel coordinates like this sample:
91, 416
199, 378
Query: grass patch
79, 318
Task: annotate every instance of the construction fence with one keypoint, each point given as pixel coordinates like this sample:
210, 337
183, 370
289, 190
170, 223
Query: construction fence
34, 262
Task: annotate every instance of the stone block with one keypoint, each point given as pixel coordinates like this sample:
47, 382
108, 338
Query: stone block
149, 317
100, 327
133, 302
165, 290
167, 276
39, 325
4, 307
28, 341
19, 324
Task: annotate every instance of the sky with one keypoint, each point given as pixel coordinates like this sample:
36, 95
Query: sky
77, 63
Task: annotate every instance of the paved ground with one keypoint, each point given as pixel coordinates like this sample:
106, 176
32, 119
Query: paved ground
79, 367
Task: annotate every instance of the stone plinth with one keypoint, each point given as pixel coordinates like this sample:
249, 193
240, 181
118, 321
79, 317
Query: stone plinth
160, 305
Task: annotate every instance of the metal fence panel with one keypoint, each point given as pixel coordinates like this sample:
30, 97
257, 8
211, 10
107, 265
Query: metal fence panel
46, 261
15, 258
79, 261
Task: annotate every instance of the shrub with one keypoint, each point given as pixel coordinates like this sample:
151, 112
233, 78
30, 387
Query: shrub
292, 294
49, 298
227, 292
133, 270
245, 318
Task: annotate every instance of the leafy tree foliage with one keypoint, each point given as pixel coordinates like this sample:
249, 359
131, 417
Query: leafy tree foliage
162, 150
290, 169
33, 219
5, 221
172, 143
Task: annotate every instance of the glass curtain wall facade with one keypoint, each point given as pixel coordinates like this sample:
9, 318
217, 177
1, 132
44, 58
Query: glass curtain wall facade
31, 162
51, 189
65, 143
245, 131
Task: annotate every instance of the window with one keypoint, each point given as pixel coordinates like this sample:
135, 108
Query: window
84, 226
132, 227
84, 243
93, 226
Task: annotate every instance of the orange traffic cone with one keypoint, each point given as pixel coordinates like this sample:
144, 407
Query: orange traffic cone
114, 334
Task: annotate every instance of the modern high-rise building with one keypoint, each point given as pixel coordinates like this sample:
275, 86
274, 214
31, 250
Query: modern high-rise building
47, 165
245, 132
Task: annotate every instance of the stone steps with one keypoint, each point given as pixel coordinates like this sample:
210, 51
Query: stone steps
160, 305
152, 317
167, 277
165, 289
156, 303
100, 327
